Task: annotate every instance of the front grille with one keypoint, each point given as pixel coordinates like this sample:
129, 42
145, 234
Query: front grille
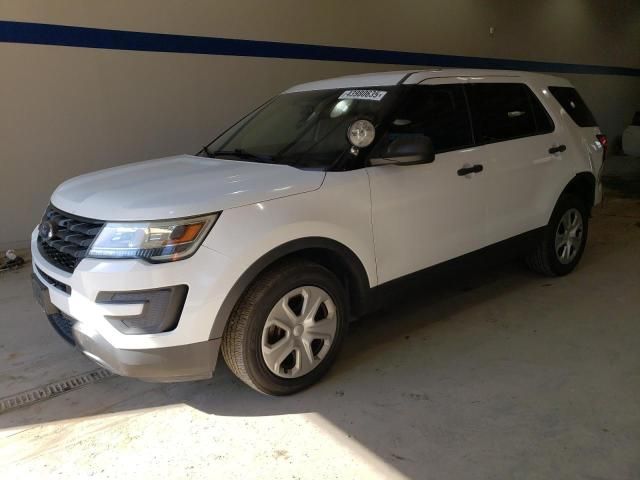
56, 283
65, 239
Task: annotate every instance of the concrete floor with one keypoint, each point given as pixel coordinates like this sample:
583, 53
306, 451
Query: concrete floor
503, 375
622, 173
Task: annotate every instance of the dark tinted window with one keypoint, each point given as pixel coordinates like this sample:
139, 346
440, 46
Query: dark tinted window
544, 124
503, 111
437, 111
573, 104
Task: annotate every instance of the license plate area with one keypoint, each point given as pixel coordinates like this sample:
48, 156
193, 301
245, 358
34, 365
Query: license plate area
41, 295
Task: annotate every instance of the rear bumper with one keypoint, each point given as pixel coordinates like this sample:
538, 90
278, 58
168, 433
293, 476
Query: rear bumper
599, 192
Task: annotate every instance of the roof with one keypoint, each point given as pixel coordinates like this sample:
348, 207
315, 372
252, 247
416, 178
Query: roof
411, 77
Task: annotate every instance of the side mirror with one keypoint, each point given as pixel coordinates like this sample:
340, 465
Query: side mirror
407, 150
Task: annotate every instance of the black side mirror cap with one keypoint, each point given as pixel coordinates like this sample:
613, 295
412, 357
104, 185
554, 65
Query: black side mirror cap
407, 150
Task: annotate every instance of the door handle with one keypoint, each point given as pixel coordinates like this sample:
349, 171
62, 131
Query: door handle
558, 149
472, 169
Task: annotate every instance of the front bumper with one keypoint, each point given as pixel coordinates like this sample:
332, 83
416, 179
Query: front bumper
187, 352
169, 364
195, 361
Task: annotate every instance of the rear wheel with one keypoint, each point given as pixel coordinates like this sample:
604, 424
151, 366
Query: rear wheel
564, 240
286, 331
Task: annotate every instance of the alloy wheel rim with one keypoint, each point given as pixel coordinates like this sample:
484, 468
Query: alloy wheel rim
569, 236
299, 331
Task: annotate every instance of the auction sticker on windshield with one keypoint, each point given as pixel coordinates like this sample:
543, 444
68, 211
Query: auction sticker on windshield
375, 95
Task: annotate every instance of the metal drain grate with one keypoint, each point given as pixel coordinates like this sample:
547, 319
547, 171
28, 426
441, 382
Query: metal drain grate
52, 390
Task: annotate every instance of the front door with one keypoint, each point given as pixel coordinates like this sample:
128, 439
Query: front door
426, 214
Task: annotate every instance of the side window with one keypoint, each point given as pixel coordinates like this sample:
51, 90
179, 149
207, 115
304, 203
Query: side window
504, 111
573, 104
544, 124
437, 111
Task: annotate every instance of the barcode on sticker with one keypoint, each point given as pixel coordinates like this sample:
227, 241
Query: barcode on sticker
375, 95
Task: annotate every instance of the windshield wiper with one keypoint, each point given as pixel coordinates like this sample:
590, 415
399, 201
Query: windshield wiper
243, 154
205, 149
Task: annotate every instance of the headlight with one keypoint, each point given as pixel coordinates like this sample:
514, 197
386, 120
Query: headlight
158, 241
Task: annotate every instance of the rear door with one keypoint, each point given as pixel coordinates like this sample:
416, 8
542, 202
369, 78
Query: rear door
520, 152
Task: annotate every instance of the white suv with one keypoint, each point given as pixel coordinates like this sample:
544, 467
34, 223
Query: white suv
306, 212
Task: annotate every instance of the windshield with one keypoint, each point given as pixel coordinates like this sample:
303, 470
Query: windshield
303, 129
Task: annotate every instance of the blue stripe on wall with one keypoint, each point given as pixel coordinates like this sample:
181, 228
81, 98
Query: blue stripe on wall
63, 35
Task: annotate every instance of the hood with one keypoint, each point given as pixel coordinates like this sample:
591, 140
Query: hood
179, 186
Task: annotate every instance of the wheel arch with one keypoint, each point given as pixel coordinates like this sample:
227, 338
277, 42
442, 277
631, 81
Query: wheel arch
335, 256
582, 185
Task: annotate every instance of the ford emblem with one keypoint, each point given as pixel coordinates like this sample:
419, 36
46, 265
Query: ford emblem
46, 230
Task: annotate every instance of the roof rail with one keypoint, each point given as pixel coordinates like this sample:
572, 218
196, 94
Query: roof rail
404, 79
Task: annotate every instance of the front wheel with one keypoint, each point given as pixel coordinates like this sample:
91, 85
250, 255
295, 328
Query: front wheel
286, 331
564, 240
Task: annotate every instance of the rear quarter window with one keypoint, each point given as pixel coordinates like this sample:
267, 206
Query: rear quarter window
573, 104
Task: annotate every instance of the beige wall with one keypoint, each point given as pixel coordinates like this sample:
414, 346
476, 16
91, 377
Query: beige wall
69, 110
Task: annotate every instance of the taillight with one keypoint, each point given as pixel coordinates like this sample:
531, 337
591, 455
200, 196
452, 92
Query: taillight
602, 138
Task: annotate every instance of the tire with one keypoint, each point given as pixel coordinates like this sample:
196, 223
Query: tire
550, 259
261, 327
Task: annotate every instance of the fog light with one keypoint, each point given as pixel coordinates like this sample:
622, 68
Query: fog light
161, 311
